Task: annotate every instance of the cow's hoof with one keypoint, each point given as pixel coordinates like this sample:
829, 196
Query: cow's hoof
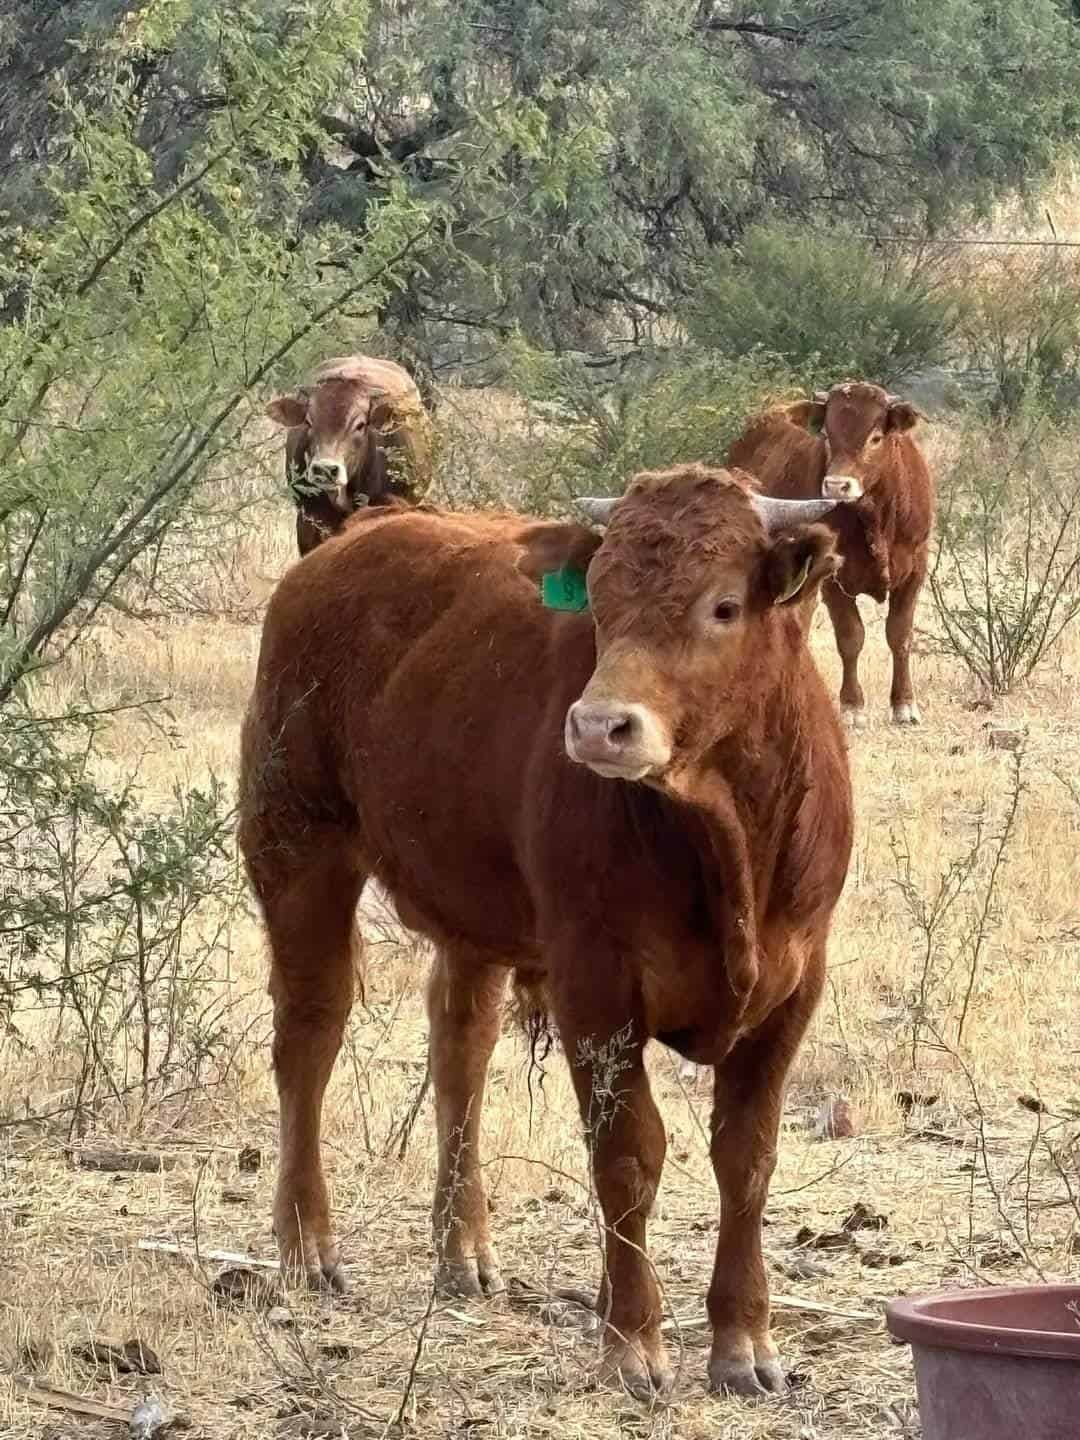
642, 1372
906, 714
854, 716
329, 1278
325, 1276
467, 1279
741, 1377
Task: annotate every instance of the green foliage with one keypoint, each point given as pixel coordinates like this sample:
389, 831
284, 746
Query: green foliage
1005, 578
603, 423
825, 303
588, 153
102, 904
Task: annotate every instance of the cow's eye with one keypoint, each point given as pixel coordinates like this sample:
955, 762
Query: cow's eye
725, 611
360, 427
876, 437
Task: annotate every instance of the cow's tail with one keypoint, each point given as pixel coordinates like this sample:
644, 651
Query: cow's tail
530, 1011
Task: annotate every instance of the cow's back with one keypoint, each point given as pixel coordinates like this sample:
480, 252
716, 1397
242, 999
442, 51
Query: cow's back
416, 673
785, 459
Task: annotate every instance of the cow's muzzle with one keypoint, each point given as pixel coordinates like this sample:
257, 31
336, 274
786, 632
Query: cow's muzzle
841, 487
332, 477
619, 741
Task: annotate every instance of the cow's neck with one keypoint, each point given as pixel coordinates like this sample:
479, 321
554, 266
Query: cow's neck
370, 473
747, 788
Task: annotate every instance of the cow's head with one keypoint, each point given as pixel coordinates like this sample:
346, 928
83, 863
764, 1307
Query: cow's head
857, 421
687, 589
337, 415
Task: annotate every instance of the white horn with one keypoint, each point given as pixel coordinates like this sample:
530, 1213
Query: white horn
599, 511
779, 514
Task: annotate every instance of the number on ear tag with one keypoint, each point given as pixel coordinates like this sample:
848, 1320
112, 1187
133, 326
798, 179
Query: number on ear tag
564, 590
796, 584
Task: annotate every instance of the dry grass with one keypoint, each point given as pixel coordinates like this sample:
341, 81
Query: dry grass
68, 1238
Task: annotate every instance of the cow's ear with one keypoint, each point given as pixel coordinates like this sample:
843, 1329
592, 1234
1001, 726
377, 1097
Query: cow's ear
552, 545
288, 410
796, 563
902, 415
807, 414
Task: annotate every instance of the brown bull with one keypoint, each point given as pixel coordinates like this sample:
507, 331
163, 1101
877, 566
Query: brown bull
643, 812
358, 435
863, 453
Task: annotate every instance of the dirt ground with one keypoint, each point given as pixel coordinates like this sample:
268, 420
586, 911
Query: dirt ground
975, 1187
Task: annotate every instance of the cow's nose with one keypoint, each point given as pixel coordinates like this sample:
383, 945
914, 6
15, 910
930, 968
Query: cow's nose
331, 476
841, 487
602, 732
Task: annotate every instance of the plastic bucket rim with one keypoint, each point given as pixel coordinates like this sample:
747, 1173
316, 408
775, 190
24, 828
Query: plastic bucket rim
912, 1319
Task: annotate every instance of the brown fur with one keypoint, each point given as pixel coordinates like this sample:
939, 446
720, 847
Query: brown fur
407, 723
883, 537
368, 413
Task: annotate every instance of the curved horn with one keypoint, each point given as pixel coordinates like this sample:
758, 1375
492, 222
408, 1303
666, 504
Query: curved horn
599, 511
779, 514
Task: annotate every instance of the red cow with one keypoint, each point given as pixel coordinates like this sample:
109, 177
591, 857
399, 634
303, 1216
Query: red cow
358, 435
642, 813
864, 454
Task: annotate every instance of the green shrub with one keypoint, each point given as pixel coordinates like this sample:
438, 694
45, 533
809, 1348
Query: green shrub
595, 425
824, 302
113, 917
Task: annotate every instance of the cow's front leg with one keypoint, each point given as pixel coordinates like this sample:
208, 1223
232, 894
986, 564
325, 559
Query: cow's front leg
746, 1120
898, 628
465, 996
627, 1143
850, 636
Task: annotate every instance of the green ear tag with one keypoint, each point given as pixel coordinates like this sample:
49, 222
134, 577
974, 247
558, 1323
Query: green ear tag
564, 590
795, 585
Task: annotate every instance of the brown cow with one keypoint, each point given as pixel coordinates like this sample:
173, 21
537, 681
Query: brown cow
865, 453
643, 812
358, 435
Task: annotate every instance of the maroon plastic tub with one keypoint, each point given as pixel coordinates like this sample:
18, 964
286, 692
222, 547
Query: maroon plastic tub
995, 1364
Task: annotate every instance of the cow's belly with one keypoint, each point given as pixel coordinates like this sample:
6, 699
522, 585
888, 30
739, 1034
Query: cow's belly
453, 901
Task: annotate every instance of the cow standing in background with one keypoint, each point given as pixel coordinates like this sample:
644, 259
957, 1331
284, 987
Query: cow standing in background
863, 454
642, 812
358, 435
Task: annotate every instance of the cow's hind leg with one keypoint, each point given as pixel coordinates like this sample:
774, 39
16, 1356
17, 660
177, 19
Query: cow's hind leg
898, 628
850, 636
626, 1138
308, 892
746, 1121
465, 997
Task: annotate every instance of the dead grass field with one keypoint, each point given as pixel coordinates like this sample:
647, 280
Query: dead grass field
968, 1185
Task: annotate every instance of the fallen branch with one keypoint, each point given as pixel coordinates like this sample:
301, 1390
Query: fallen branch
65, 1400
785, 1302
189, 1252
141, 1162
